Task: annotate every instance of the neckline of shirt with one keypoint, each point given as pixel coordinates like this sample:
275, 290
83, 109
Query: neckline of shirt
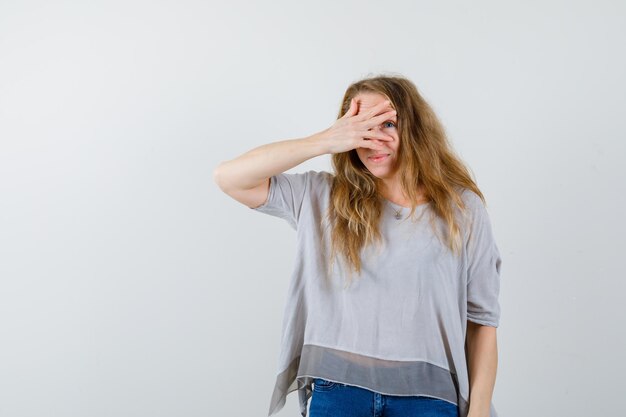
398, 206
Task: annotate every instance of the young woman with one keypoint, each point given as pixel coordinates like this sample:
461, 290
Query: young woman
393, 305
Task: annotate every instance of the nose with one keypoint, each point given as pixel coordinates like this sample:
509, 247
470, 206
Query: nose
381, 141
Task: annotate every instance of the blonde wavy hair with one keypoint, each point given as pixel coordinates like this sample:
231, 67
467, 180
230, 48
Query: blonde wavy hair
426, 161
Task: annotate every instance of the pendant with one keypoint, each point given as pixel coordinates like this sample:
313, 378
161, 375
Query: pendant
398, 216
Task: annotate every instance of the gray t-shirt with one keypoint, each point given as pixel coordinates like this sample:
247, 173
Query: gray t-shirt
399, 328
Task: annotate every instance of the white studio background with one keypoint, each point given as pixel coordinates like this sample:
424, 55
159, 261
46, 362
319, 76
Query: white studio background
130, 285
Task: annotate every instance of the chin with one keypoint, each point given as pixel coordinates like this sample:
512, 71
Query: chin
380, 172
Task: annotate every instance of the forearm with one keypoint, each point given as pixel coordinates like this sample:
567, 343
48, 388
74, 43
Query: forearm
255, 166
482, 358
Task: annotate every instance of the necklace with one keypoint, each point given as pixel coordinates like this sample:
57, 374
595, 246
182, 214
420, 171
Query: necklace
398, 211
397, 208
398, 214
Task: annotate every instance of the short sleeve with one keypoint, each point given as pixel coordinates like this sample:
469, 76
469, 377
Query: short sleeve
285, 197
484, 261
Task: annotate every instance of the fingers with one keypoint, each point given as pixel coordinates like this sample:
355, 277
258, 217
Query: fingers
375, 110
370, 144
352, 110
373, 134
375, 121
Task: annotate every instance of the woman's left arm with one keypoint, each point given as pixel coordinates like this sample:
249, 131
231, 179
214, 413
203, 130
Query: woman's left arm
482, 361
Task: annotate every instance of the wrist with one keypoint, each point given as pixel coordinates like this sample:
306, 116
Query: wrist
319, 141
479, 408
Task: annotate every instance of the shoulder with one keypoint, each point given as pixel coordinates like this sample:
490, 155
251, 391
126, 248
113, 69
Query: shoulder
304, 180
321, 175
475, 211
305, 185
312, 174
471, 198
473, 202
317, 179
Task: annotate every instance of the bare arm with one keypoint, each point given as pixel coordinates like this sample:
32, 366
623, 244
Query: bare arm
246, 178
482, 351
254, 167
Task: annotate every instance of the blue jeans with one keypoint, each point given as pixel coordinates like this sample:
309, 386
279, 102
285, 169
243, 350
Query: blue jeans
334, 399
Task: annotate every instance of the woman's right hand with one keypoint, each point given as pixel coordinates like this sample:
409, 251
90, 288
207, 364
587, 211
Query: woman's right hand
353, 131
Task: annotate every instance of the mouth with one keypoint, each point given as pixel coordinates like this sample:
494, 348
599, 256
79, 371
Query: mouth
378, 158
